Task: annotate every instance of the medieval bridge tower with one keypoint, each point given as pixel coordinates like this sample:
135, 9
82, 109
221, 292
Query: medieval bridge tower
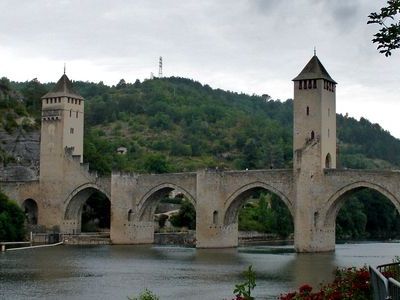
314, 190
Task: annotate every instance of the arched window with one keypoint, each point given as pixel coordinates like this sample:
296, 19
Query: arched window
312, 135
305, 84
308, 110
309, 84
215, 217
314, 83
130, 215
31, 211
328, 163
300, 85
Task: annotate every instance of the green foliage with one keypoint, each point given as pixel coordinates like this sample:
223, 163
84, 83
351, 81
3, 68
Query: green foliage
156, 163
186, 217
388, 36
145, 295
367, 214
96, 213
243, 290
266, 214
12, 220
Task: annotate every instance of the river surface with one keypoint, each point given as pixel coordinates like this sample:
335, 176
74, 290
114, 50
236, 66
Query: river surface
115, 272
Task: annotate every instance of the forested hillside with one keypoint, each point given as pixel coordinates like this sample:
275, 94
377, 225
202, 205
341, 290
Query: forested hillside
177, 124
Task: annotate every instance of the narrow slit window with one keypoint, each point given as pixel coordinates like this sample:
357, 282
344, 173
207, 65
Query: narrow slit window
215, 217
308, 110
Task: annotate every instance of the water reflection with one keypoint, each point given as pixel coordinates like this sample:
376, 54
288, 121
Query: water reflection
313, 269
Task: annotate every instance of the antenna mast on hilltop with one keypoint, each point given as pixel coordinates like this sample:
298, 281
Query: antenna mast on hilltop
160, 68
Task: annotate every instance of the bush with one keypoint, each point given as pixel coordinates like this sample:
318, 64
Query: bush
349, 284
145, 295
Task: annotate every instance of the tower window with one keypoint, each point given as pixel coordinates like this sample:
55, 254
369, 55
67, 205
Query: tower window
70, 113
300, 85
79, 102
329, 112
328, 132
47, 101
309, 84
325, 85
71, 131
59, 100
312, 135
305, 84
314, 83
308, 111
77, 114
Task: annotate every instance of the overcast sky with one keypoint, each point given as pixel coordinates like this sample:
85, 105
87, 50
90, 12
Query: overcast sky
251, 46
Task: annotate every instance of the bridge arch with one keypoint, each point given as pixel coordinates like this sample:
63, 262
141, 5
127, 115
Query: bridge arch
336, 201
235, 201
147, 204
74, 204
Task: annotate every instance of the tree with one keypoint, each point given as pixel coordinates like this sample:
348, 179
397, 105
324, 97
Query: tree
12, 220
186, 216
156, 163
388, 36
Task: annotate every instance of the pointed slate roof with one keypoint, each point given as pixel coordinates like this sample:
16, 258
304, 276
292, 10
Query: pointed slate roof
63, 88
314, 70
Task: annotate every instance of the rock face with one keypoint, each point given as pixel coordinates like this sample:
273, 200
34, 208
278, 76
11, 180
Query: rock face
24, 150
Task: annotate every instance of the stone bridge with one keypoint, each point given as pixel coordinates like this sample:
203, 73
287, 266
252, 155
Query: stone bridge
313, 191
217, 197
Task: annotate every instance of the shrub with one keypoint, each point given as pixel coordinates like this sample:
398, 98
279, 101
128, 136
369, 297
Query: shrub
243, 290
145, 295
349, 284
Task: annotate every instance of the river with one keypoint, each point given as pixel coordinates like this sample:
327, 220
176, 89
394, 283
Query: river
115, 272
